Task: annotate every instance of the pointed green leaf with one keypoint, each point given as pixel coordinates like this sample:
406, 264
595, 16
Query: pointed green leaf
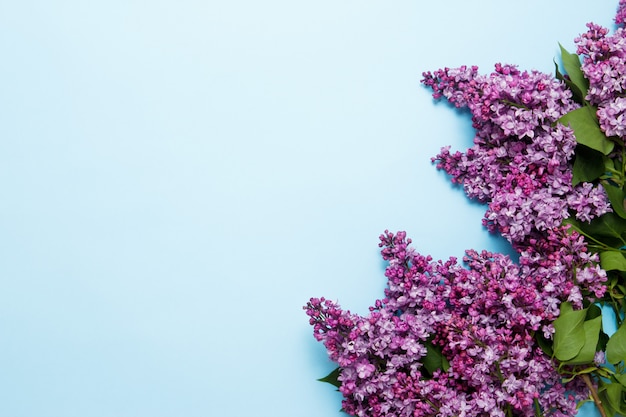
587, 130
608, 228
332, 378
577, 95
557, 73
616, 346
610, 164
621, 378
602, 341
588, 165
616, 197
569, 332
612, 261
608, 225
593, 311
592, 334
571, 63
544, 343
434, 359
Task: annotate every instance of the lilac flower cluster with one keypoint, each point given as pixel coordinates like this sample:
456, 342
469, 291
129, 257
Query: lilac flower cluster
604, 65
520, 163
454, 340
483, 319
620, 17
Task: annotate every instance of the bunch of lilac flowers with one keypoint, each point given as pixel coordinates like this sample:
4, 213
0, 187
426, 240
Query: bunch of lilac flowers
604, 66
453, 341
486, 338
520, 164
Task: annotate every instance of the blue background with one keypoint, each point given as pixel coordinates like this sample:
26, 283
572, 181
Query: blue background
177, 179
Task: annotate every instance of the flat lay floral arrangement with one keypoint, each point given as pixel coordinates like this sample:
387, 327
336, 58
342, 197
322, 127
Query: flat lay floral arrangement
491, 335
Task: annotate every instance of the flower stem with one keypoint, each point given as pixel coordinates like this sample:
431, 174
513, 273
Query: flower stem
594, 394
537, 408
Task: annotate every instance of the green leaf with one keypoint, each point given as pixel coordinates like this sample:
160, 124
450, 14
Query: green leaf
569, 332
602, 341
621, 378
332, 377
593, 311
434, 359
587, 130
544, 343
588, 165
608, 228
577, 95
608, 225
592, 334
611, 260
616, 346
571, 63
616, 197
616, 288
613, 395
608, 409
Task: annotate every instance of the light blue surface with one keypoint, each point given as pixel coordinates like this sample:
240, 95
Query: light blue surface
179, 177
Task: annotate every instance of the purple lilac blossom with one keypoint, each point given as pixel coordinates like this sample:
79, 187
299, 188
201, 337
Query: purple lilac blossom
482, 318
520, 164
604, 65
620, 17
485, 319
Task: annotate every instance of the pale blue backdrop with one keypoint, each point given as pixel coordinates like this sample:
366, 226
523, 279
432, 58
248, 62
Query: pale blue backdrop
177, 178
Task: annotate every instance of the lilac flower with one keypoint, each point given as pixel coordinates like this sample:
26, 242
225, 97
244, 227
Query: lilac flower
588, 202
482, 318
612, 117
620, 17
453, 340
520, 164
